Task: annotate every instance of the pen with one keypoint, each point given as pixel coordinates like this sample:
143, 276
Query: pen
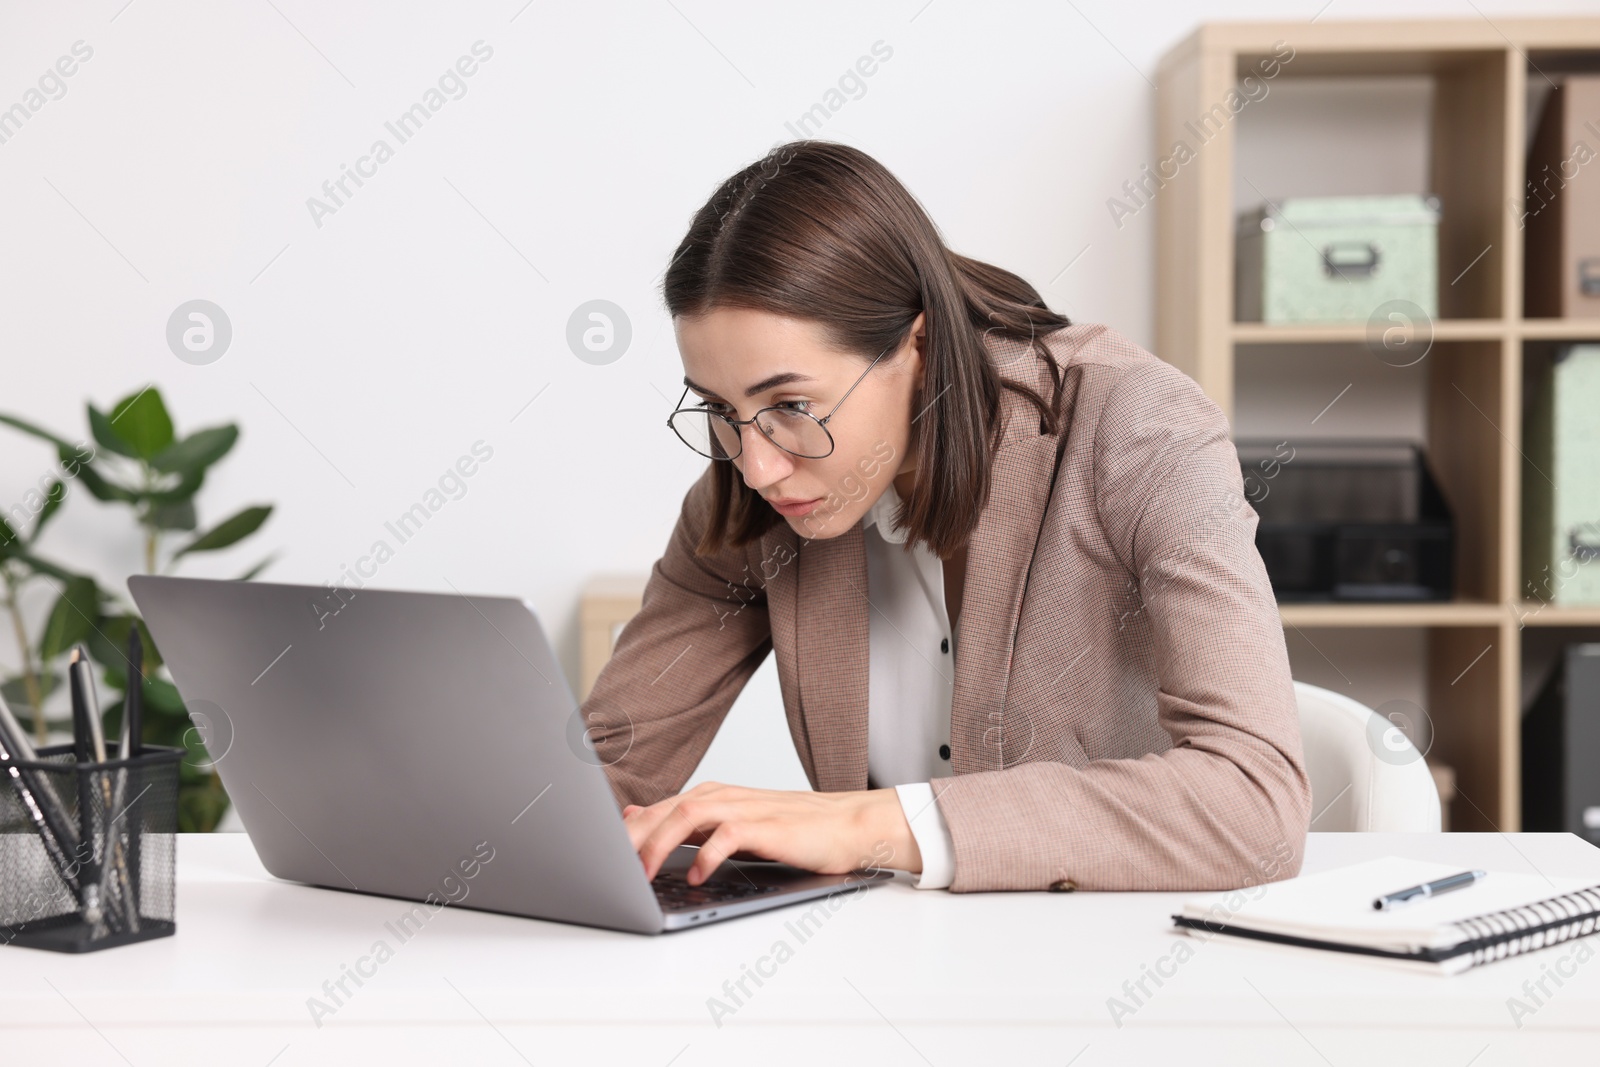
83, 734
125, 882
132, 748
1428, 889
91, 698
110, 841
133, 704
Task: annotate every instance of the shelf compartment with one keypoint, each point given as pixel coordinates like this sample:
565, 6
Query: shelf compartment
1444, 687
1472, 675
1453, 400
1449, 105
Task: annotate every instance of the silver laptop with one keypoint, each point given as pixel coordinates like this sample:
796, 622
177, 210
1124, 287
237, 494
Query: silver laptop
426, 746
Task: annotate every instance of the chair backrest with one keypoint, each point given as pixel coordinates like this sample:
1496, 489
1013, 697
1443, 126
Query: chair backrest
1365, 774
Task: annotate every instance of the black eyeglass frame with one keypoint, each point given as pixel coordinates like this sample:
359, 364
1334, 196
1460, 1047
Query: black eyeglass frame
739, 424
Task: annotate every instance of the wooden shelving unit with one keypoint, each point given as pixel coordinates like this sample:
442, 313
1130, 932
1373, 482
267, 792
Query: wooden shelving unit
1480, 72
607, 602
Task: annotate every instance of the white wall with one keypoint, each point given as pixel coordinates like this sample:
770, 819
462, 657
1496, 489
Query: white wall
429, 309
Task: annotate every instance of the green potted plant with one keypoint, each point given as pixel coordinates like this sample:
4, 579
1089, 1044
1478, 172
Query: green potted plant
138, 462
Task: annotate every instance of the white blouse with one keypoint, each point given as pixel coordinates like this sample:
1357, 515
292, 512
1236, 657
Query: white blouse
911, 676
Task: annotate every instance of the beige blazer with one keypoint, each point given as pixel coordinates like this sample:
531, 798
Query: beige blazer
1123, 715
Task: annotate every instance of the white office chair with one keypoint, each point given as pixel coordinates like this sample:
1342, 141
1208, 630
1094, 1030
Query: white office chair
1364, 777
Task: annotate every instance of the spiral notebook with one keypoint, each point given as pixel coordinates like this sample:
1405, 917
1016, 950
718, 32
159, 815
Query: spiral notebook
1502, 915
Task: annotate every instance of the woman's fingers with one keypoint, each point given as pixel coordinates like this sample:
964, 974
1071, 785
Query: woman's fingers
828, 833
642, 820
685, 819
645, 822
729, 840
716, 849
733, 822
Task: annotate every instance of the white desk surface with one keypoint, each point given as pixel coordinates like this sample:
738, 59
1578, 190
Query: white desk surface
895, 975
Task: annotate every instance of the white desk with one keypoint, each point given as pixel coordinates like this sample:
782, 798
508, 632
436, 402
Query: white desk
896, 975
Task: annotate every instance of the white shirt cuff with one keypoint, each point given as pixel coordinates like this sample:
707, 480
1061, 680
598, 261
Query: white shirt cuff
932, 835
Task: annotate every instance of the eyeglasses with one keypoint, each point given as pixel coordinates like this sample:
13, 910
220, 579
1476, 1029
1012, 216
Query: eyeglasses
800, 433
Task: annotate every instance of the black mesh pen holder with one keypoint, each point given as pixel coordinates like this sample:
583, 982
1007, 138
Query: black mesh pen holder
88, 850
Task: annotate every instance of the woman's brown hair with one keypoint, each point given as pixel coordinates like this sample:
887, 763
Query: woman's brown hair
823, 232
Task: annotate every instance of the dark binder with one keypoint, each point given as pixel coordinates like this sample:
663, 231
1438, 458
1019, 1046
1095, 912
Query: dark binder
1561, 748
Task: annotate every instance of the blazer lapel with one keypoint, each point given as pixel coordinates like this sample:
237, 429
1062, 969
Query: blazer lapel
832, 630
999, 557
832, 627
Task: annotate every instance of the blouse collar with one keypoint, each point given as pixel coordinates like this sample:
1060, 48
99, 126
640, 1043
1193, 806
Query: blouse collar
881, 514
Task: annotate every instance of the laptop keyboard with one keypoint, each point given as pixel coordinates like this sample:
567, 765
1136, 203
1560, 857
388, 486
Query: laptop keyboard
676, 894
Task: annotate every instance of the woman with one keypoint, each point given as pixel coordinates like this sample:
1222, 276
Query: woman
1023, 634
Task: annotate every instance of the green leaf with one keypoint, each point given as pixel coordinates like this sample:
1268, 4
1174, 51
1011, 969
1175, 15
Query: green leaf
142, 421
108, 645
197, 765
52, 504
201, 801
258, 568
117, 627
161, 697
113, 723
228, 531
101, 489
72, 619
15, 691
106, 435
188, 485
36, 506
44, 566
197, 451
115, 671
176, 516
30, 428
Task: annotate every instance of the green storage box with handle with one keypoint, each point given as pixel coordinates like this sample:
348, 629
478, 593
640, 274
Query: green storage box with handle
1561, 479
1336, 258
